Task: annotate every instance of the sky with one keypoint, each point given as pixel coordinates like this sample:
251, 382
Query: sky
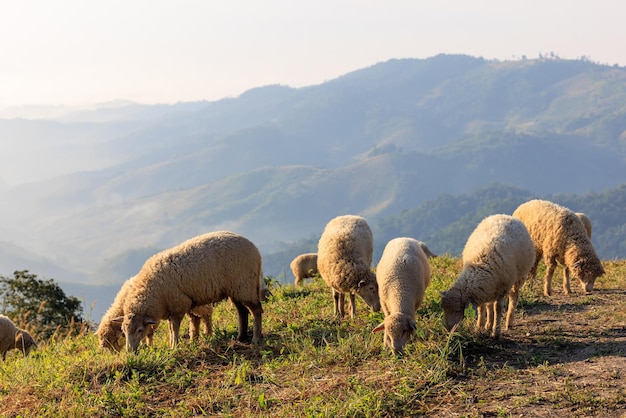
77, 52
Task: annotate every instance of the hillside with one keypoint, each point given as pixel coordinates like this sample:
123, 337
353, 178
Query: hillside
95, 191
446, 221
563, 357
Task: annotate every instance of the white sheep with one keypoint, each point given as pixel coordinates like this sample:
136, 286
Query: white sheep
560, 237
110, 333
497, 255
403, 273
12, 337
203, 270
304, 266
344, 257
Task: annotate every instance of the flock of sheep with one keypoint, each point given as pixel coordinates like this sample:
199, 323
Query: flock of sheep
500, 255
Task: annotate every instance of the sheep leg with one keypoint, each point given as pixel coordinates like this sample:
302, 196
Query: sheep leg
532, 274
339, 304
257, 314
497, 314
513, 298
194, 326
352, 305
208, 325
174, 325
566, 286
490, 307
243, 320
480, 318
547, 282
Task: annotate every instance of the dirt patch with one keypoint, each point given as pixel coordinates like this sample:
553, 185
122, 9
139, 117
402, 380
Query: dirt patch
565, 356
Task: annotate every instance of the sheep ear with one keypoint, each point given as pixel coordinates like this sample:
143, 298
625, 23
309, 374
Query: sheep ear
150, 321
361, 284
379, 328
118, 320
577, 263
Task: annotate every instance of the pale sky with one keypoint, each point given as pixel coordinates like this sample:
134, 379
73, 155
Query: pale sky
77, 52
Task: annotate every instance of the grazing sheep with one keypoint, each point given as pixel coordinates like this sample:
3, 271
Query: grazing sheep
498, 255
344, 257
110, 333
560, 237
304, 266
426, 250
203, 270
109, 330
13, 337
403, 274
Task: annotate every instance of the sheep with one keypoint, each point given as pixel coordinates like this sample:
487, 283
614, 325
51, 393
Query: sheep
497, 257
403, 273
560, 238
426, 250
203, 270
344, 257
109, 330
304, 266
13, 337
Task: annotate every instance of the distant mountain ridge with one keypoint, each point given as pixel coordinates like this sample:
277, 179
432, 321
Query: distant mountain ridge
276, 163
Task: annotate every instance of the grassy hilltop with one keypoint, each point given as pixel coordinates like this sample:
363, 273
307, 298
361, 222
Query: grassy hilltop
564, 357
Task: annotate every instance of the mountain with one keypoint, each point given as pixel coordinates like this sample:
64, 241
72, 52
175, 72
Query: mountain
98, 190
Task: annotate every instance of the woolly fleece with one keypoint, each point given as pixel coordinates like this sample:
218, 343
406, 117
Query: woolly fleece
344, 257
403, 274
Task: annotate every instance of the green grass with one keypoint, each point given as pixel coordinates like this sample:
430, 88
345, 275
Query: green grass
309, 364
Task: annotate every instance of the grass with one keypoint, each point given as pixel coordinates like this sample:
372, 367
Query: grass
309, 364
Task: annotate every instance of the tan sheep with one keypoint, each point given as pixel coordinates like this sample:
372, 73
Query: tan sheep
497, 255
12, 337
303, 267
110, 333
403, 274
203, 270
344, 257
560, 238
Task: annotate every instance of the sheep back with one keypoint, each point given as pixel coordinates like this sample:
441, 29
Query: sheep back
203, 270
344, 257
403, 274
497, 254
559, 236
304, 266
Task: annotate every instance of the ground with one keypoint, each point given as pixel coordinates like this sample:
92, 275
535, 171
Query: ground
564, 357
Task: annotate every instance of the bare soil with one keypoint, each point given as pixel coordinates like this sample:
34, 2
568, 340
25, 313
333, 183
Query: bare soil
564, 357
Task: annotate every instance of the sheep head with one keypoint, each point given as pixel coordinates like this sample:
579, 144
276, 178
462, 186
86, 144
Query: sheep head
110, 334
136, 327
24, 342
368, 291
398, 329
453, 307
587, 271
